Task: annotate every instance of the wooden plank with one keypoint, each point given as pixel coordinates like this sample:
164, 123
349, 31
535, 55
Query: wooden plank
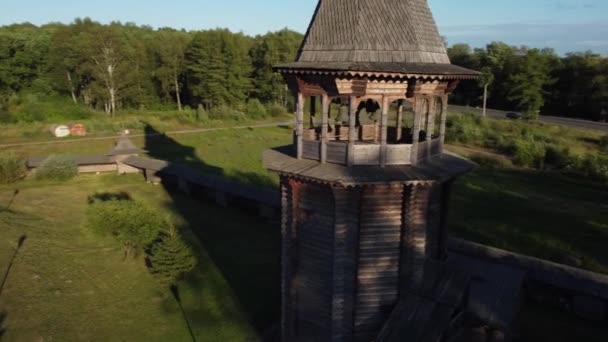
299, 124
325, 104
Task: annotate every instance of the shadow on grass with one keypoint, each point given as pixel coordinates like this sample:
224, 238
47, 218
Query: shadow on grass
109, 196
2, 320
20, 243
539, 214
244, 248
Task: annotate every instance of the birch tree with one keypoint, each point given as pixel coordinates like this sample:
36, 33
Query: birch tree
170, 50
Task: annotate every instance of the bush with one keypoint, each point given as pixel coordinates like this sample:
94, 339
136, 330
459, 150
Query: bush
256, 110
12, 168
593, 166
132, 223
59, 168
465, 129
529, 153
170, 258
275, 110
604, 143
225, 113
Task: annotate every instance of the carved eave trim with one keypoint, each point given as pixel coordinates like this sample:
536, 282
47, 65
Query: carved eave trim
370, 74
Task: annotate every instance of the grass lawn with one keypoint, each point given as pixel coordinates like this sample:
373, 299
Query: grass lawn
539, 214
67, 284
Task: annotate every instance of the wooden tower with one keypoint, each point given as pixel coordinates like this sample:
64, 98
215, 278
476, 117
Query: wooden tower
363, 200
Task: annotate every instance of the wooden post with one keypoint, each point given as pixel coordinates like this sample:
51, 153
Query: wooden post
300, 125
418, 106
313, 111
352, 134
444, 118
384, 131
400, 121
430, 125
325, 103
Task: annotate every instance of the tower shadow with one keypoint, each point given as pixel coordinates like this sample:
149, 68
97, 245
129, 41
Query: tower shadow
243, 247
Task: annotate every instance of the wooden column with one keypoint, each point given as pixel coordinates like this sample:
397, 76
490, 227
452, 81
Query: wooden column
444, 118
352, 134
325, 104
384, 131
430, 125
347, 204
313, 111
414, 237
400, 121
418, 107
299, 125
287, 261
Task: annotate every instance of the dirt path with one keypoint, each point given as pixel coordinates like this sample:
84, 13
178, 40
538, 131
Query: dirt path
114, 137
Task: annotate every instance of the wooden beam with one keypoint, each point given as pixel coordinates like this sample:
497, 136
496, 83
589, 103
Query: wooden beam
430, 124
400, 121
384, 131
299, 128
325, 104
444, 118
418, 107
352, 133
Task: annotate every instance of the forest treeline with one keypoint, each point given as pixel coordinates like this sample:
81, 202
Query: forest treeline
123, 66
128, 67
534, 80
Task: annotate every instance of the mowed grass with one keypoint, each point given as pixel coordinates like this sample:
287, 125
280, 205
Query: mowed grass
540, 214
67, 284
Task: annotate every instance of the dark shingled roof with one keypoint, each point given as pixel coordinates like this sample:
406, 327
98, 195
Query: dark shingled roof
374, 35
124, 146
401, 31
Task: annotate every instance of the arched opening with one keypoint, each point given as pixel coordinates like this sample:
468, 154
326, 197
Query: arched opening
438, 112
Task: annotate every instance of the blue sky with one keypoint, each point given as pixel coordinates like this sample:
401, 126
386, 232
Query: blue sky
566, 25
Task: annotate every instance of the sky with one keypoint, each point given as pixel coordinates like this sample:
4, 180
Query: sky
565, 25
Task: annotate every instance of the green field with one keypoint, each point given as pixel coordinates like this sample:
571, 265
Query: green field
542, 214
67, 284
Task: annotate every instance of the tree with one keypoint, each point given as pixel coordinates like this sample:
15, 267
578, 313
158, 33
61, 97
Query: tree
132, 223
219, 68
110, 67
268, 51
485, 80
527, 84
170, 50
170, 258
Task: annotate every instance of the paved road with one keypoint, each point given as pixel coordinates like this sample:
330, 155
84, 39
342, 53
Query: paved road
555, 120
114, 137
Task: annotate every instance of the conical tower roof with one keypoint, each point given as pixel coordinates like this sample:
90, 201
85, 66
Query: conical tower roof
375, 35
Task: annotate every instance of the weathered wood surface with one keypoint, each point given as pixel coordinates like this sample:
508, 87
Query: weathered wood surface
340, 32
217, 183
378, 258
440, 168
313, 283
556, 275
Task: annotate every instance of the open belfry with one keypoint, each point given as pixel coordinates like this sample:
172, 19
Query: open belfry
365, 185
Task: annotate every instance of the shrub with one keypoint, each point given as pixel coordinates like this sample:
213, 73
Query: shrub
132, 223
529, 153
256, 110
604, 143
275, 110
59, 168
466, 129
593, 166
12, 168
225, 113
170, 258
